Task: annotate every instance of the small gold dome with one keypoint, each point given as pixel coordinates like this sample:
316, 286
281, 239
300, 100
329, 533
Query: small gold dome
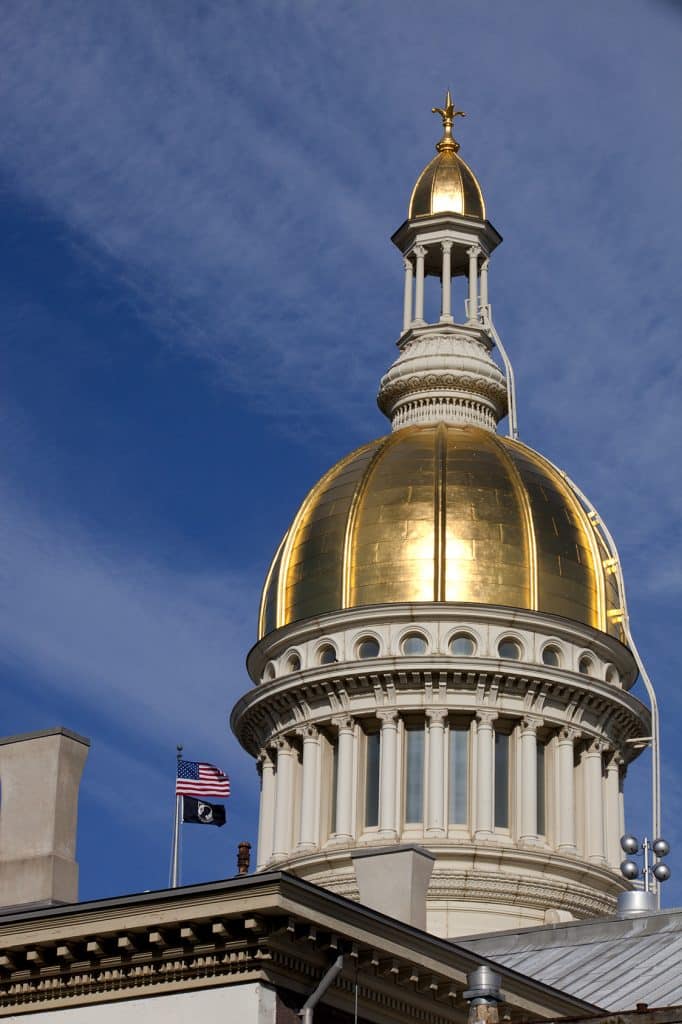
441, 513
447, 184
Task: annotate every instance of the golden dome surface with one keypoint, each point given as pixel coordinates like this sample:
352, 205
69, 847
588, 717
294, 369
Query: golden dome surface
447, 184
441, 513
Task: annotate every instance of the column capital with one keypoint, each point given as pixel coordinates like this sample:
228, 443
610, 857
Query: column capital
474, 252
264, 757
419, 251
308, 732
595, 747
485, 719
408, 266
436, 716
530, 724
569, 734
343, 723
387, 717
282, 744
447, 245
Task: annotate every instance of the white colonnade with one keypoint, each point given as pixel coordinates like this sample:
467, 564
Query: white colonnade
313, 786
413, 293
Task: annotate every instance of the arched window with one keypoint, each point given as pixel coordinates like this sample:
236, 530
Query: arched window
462, 645
414, 643
368, 647
509, 648
293, 663
326, 655
586, 666
551, 656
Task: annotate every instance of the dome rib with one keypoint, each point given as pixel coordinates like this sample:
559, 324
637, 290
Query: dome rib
362, 485
529, 523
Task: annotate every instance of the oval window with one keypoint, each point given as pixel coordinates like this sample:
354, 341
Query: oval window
613, 675
294, 663
510, 649
415, 643
326, 655
585, 666
462, 645
368, 648
551, 656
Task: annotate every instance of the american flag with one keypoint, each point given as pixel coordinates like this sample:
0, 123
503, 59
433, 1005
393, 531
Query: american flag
196, 778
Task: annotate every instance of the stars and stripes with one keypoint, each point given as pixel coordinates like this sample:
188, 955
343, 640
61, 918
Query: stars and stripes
198, 778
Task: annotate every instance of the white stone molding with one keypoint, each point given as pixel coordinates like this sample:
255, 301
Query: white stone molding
266, 817
435, 814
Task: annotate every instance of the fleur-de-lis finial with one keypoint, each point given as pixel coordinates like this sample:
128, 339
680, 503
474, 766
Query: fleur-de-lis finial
448, 112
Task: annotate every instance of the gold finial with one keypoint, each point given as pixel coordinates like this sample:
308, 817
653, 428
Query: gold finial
448, 113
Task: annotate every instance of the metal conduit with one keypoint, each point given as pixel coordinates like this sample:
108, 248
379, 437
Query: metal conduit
311, 1002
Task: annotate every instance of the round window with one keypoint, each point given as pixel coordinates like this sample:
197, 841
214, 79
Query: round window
462, 645
551, 656
268, 673
415, 643
613, 675
294, 663
368, 648
509, 649
585, 666
326, 655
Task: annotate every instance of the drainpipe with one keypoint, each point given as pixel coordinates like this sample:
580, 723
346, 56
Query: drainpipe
483, 995
311, 1002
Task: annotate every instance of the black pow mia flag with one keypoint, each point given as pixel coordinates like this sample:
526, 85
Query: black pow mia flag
201, 813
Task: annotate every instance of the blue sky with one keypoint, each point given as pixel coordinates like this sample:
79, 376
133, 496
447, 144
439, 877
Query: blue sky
199, 296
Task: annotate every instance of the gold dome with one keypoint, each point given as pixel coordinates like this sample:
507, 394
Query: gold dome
447, 184
441, 513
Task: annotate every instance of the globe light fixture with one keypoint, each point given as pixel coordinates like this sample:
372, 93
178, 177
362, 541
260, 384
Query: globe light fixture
629, 845
659, 871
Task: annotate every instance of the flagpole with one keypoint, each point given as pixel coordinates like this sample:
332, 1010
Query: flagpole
175, 856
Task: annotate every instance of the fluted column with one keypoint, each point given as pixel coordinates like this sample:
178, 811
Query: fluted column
612, 828
266, 818
445, 284
473, 254
419, 254
310, 788
407, 296
284, 798
345, 749
565, 791
435, 818
485, 747
387, 771
593, 803
484, 283
529, 779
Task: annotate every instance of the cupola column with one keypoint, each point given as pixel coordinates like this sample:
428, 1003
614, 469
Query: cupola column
473, 253
419, 253
446, 285
612, 828
565, 790
593, 803
484, 283
387, 773
435, 819
529, 780
345, 751
310, 787
284, 792
485, 745
266, 770
407, 296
